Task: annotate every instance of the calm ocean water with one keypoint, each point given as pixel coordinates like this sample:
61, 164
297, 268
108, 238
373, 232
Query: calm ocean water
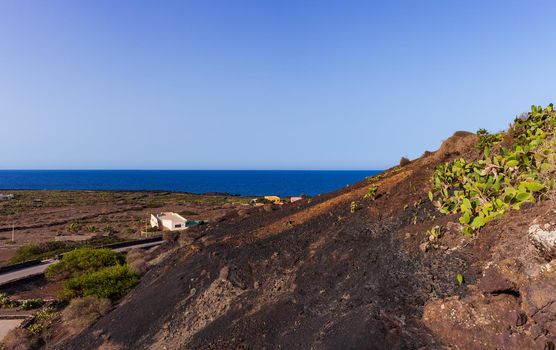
242, 182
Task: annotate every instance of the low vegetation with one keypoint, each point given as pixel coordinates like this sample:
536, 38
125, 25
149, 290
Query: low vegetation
135, 259
108, 283
92, 279
73, 227
51, 249
20, 338
25, 304
82, 312
55, 199
41, 251
353, 207
30, 304
33, 333
83, 260
505, 178
487, 140
42, 320
372, 193
93, 272
435, 232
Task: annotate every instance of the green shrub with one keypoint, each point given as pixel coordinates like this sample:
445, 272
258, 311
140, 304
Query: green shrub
371, 194
25, 304
73, 227
49, 249
43, 319
435, 232
353, 207
108, 283
485, 189
487, 139
7, 302
83, 260
41, 251
46, 314
30, 304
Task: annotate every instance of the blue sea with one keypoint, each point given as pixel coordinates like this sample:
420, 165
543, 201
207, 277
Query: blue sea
240, 182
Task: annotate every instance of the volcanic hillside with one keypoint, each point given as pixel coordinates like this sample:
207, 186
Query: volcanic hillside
375, 265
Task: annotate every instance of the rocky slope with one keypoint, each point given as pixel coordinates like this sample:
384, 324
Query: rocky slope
342, 271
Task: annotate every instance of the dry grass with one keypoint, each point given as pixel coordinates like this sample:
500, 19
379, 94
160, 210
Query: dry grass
83, 312
139, 267
137, 261
20, 339
134, 254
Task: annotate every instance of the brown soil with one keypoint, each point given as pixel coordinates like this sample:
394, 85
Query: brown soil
311, 274
40, 216
39, 289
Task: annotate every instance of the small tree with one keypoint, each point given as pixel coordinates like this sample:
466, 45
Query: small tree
109, 283
83, 260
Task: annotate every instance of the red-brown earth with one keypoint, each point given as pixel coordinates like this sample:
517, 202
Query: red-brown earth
40, 216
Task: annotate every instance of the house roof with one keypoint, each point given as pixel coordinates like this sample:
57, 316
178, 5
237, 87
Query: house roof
171, 216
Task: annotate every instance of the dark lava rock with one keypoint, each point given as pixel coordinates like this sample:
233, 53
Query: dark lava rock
536, 331
493, 282
240, 276
518, 318
551, 327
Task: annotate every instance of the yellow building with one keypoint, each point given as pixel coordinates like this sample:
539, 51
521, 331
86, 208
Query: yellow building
274, 199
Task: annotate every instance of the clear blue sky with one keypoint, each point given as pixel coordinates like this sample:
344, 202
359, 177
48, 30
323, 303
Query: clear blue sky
262, 84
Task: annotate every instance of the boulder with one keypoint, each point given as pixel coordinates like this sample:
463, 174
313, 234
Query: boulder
404, 161
475, 322
492, 282
517, 318
461, 144
543, 238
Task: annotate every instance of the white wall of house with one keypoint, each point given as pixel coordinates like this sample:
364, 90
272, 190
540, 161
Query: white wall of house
169, 221
154, 221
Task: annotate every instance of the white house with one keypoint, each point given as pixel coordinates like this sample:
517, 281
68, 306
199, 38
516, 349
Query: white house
4, 197
168, 220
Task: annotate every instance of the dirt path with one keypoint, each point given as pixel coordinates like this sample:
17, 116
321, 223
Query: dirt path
7, 325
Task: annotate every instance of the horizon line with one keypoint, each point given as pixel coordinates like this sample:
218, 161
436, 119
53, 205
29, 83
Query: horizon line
136, 169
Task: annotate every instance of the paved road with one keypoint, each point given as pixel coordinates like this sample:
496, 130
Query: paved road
142, 246
39, 269
26, 272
